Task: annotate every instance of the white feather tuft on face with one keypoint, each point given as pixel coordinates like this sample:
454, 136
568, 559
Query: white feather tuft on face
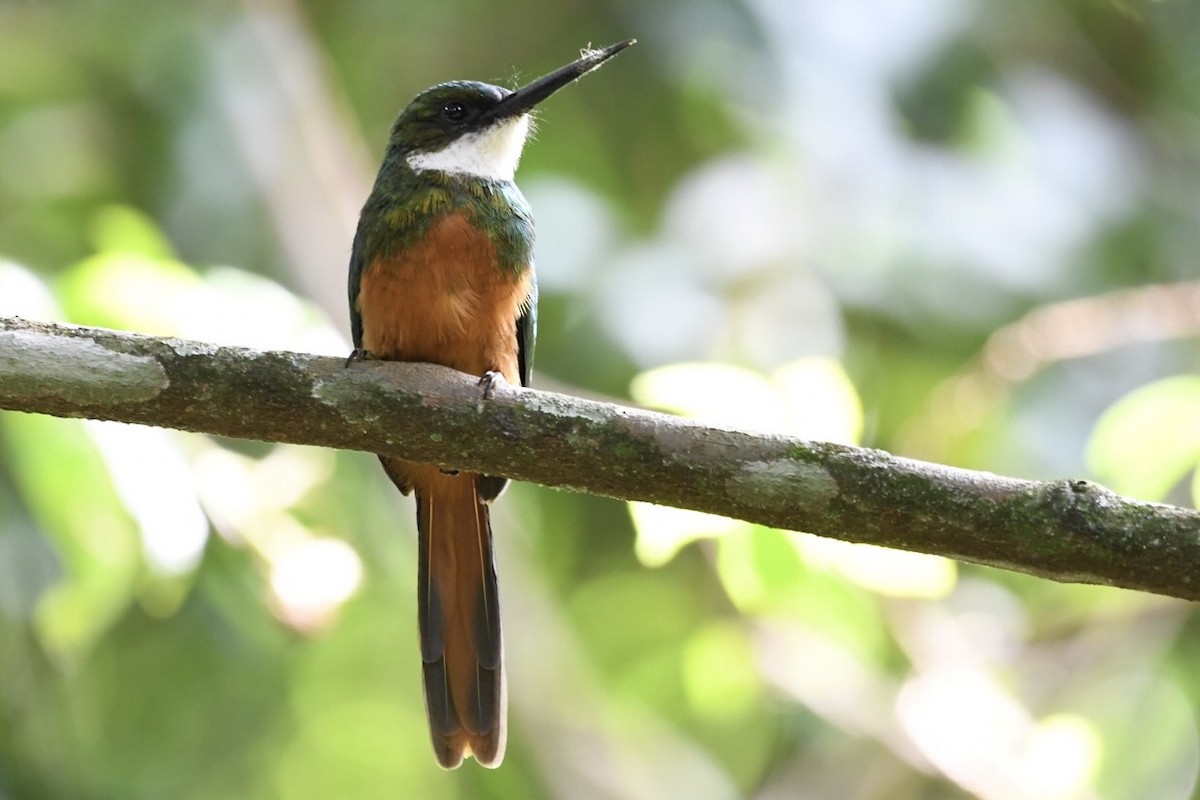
489, 153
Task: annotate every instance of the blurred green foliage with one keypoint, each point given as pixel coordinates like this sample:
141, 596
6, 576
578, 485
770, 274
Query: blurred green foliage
855, 221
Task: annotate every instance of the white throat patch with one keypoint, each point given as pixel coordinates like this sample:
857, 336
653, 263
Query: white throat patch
489, 153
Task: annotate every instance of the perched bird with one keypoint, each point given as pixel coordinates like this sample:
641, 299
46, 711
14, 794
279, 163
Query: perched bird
442, 272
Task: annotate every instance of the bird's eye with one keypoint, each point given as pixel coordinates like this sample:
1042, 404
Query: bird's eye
455, 111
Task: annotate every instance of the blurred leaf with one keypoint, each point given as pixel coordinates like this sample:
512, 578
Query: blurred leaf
820, 401
718, 671
120, 229
655, 615
664, 531
720, 394
756, 566
1149, 440
894, 573
811, 398
131, 291
65, 484
1064, 753
134, 283
765, 573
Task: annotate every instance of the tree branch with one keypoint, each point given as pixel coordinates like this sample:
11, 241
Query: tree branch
1062, 530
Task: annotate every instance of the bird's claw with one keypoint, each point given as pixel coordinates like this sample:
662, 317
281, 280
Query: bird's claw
359, 354
489, 381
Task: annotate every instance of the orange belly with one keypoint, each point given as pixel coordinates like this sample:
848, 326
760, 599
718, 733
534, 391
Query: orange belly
445, 300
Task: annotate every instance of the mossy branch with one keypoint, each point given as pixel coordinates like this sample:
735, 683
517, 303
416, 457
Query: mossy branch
1066, 530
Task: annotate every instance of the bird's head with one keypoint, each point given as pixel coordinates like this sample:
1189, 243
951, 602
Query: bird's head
477, 129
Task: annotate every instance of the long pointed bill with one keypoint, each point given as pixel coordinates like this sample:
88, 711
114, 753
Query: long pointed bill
531, 94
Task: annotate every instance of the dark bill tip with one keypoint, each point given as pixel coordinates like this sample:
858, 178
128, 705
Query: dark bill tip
529, 95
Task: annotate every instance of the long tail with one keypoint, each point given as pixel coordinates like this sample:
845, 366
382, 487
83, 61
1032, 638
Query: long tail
459, 614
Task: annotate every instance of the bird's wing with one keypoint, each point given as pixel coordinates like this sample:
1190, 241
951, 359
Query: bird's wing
527, 334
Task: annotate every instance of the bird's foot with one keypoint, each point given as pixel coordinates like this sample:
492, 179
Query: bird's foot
489, 381
487, 385
359, 354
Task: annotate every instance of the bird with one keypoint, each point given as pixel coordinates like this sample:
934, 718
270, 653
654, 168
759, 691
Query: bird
441, 271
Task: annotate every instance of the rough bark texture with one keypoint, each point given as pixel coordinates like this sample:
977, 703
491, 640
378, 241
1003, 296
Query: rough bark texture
1067, 530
